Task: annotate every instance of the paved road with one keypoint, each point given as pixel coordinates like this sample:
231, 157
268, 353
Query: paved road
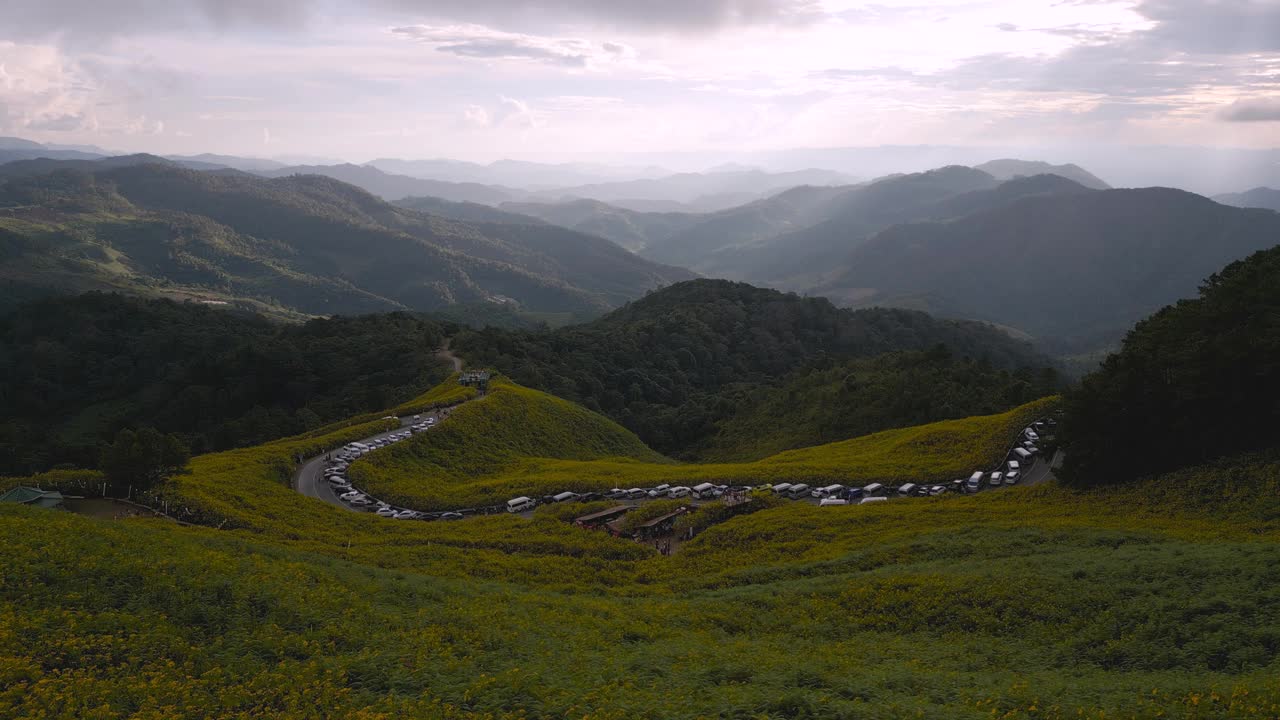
309, 480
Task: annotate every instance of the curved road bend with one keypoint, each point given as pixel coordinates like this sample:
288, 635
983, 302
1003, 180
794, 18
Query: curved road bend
309, 480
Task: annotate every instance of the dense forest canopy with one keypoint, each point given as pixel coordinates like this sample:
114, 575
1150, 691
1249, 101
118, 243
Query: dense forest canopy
1196, 381
673, 365
75, 370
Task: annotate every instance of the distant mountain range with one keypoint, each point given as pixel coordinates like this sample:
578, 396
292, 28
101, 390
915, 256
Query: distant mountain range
1076, 268
1008, 169
306, 244
1262, 197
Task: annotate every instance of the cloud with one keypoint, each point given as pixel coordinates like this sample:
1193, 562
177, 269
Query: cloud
630, 15
477, 41
1260, 110
1214, 26
93, 20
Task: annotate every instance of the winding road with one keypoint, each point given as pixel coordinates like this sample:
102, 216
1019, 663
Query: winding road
309, 479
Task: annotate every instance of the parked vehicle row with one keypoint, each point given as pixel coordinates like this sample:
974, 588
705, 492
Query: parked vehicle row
1009, 473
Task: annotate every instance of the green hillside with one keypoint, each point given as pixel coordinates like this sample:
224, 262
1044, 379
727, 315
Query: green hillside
675, 364
298, 245
518, 441
859, 397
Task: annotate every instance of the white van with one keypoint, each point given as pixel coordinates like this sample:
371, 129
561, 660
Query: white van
907, 490
678, 491
866, 500
995, 479
1023, 453
781, 488
828, 491
564, 497
974, 483
872, 489
703, 490
520, 504
797, 491
825, 502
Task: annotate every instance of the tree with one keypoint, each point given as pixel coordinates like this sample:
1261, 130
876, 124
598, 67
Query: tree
142, 459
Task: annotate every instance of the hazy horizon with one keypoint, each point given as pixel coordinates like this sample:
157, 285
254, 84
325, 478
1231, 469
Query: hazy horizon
575, 80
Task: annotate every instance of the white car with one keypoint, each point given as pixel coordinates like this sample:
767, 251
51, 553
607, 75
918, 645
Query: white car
406, 515
877, 499
387, 512
352, 495
361, 501
660, 490
832, 501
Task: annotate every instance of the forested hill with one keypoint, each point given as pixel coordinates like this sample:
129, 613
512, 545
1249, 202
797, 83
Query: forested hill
75, 370
1197, 381
675, 364
300, 244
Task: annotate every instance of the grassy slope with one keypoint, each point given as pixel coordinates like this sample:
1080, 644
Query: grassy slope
523, 442
1035, 602
1031, 602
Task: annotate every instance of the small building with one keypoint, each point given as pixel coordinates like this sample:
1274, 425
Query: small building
659, 525
475, 378
596, 519
35, 497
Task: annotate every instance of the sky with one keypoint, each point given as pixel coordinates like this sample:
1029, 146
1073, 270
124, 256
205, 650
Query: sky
566, 79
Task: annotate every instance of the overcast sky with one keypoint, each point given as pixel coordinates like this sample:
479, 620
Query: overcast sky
481, 79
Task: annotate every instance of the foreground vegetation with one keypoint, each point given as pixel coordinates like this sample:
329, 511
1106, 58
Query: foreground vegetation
1032, 602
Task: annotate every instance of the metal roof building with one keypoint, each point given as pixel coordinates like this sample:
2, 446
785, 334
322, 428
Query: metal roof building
33, 496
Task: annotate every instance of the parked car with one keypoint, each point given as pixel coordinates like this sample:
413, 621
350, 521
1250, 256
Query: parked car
406, 515
995, 479
616, 494
873, 489
520, 504
451, 516
564, 497
797, 491
678, 491
852, 493
361, 501
876, 499
827, 492
660, 490
1012, 477
637, 493
824, 502
937, 490
387, 512
907, 490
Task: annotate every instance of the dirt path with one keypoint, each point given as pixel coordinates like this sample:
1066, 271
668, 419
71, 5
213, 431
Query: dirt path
445, 353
